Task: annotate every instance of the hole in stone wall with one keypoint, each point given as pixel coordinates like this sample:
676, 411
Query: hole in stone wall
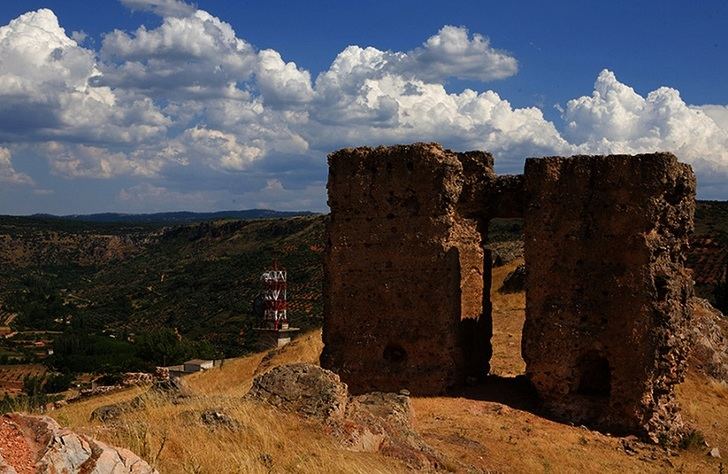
505, 321
394, 353
595, 377
661, 285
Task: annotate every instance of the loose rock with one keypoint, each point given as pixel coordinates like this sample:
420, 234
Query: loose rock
57, 450
302, 388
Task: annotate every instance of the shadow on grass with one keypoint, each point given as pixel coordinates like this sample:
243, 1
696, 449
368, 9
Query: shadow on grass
514, 392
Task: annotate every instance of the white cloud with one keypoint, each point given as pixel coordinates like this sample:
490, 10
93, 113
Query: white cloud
192, 105
218, 149
7, 172
161, 7
452, 53
146, 197
79, 36
45, 94
616, 119
195, 55
73, 160
282, 84
719, 114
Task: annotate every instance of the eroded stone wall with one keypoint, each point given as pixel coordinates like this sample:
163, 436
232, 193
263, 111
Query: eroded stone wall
607, 294
404, 290
406, 301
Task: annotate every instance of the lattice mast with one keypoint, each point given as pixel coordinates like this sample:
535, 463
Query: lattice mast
275, 292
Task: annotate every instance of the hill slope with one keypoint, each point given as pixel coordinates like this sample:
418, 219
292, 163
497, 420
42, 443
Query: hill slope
118, 278
495, 427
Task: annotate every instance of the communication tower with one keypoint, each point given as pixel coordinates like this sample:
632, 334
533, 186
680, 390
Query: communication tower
274, 295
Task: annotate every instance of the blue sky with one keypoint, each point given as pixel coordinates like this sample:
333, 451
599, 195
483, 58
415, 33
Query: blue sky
148, 105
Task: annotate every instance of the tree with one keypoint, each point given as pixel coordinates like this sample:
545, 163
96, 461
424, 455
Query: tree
56, 383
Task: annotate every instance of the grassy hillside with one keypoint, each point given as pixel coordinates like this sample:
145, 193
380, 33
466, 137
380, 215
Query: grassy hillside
201, 279
494, 427
120, 279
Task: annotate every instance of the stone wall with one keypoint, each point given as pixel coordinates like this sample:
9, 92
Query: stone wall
404, 269
607, 295
406, 296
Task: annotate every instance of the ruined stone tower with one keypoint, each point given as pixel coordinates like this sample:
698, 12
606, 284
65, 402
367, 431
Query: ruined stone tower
404, 269
607, 300
407, 279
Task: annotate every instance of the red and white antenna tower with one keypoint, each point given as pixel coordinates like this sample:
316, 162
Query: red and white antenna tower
275, 305
275, 289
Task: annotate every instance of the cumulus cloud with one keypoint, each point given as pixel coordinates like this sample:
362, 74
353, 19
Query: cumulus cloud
719, 114
453, 53
77, 160
217, 149
192, 105
616, 119
282, 84
186, 56
7, 172
45, 95
161, 7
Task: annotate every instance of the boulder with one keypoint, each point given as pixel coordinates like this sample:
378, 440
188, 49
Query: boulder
305, 389
382, 422
505, 252
219, 419
372, 422
114, 411
38, 443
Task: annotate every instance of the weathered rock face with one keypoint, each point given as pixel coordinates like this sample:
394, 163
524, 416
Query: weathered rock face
710, 351
406, 296
373, 422
404, 291
36, 444
302, 388
608, 312
382, 422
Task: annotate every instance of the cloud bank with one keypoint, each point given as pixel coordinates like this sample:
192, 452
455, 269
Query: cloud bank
191, 112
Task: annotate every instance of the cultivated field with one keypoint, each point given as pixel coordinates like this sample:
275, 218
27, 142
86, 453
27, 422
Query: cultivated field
11, 377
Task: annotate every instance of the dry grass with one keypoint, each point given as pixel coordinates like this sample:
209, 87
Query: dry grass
169, 435
486, 429
508, 316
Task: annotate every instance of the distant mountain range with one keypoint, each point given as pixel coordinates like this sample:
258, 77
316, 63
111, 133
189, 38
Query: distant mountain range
179, 217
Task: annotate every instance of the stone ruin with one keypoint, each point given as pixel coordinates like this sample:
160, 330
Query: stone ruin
407, 277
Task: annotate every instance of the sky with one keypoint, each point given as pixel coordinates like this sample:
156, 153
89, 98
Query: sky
161, 105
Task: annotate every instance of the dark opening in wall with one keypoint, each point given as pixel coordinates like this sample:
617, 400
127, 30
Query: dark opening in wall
394, 353
595, 377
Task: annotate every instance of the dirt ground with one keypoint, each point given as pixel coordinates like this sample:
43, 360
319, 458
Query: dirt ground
498, 427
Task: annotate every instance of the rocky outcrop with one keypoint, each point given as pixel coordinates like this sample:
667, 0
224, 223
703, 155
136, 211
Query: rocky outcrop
38, 444
302, 388
382, 422
114, 411
710, 331
373, 422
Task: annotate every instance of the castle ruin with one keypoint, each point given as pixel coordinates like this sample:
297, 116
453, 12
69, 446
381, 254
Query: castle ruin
407, 277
